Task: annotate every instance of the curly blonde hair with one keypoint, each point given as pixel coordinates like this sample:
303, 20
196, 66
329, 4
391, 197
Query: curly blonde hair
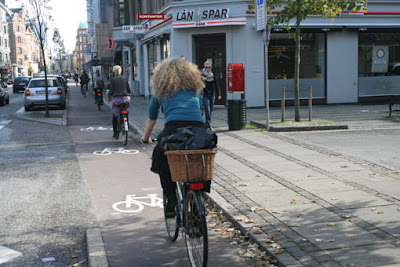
175, 74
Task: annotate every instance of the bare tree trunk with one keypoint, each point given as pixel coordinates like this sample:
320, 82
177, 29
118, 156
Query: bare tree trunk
297, 65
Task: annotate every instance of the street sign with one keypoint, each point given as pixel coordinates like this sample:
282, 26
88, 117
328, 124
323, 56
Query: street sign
260, 15
133, 29
94, 55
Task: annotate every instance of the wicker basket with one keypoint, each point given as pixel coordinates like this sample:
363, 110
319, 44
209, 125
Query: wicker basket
191, 165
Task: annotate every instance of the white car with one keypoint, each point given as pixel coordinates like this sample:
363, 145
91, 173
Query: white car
35, 93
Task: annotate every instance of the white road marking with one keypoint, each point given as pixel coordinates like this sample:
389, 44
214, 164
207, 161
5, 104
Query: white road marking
3, 123
7, 254
134, 204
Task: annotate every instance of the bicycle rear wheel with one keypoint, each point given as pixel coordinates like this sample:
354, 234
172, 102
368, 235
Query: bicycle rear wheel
196, 236
172, 224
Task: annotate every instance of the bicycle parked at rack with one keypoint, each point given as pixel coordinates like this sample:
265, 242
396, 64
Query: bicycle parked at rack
190, 169
123, 125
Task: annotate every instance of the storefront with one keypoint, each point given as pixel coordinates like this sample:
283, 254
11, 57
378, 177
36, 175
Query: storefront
354, 59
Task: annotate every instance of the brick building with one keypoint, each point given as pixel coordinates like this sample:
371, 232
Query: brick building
81, 48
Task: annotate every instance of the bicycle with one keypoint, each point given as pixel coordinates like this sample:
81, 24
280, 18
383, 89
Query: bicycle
98, 98
190, 169
123, 125
84, 89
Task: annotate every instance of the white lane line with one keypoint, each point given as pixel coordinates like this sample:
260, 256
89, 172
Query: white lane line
7, 254
3, 123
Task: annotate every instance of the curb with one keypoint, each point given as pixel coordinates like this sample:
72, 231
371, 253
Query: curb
300, 128
96, 253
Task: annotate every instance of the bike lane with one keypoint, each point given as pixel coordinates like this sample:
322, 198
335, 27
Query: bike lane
116, 173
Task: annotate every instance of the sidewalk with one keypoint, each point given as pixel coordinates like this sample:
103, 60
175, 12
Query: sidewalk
305, 205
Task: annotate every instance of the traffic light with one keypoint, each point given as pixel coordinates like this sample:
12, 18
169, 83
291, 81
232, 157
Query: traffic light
110, 43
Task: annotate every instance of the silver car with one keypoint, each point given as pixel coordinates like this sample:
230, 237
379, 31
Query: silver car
35, 93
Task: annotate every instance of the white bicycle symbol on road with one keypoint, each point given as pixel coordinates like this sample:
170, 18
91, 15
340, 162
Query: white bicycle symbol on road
133, 203
100, 128
108, 151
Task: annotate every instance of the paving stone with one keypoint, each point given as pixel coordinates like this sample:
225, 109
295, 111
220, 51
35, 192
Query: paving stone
352, 199
341, 235
367, 255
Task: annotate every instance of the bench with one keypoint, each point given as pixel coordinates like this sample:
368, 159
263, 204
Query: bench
393, 100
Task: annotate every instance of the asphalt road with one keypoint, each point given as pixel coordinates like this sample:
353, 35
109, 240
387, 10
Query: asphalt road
45, 201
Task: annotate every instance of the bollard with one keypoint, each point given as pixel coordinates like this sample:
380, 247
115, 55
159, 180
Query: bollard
309, 103
283, 105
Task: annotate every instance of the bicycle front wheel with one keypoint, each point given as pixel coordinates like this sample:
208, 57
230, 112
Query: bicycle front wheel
196, 236
171, 223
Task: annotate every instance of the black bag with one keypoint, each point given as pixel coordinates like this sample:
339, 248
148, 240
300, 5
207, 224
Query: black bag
190, 138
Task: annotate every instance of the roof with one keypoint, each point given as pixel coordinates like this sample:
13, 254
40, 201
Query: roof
82, 25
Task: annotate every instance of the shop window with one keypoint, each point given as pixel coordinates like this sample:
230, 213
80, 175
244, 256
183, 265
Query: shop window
152, 57
281, 65
165, 49
379, 63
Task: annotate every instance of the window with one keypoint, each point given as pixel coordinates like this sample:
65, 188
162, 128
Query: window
5, 29
281, 65
121, 12
1, 57
19, 61
17, 28
19, 40
19, 50
379, 63
165, 49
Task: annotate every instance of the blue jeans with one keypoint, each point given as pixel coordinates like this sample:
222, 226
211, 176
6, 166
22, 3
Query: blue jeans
208, 105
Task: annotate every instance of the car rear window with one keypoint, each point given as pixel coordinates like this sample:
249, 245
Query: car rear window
41, 83
21, 80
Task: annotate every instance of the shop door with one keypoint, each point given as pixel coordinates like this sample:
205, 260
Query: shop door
213, 47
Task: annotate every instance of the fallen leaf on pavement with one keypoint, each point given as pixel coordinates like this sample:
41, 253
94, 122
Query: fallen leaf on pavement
334, 198
318, 240
331, 224
379, 212
293, 201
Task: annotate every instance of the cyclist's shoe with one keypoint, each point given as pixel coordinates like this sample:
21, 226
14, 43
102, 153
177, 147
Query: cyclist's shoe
115, 136
170, 210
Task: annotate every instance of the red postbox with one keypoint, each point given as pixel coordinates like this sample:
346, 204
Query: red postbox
235, 78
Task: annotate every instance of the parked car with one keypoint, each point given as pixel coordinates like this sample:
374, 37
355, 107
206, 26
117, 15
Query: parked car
60, 78
20, 83
35, 93
4, 96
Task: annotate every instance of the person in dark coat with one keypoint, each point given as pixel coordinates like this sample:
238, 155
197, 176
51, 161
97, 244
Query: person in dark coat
210, 90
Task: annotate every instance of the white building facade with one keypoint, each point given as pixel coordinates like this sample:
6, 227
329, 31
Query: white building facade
353, 60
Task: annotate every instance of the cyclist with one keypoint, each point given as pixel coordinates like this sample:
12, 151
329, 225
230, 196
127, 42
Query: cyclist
84, 80
98, 84
177, 84
76, 78
120, 92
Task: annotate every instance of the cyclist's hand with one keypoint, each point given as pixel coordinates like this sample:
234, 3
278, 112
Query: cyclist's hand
149, 141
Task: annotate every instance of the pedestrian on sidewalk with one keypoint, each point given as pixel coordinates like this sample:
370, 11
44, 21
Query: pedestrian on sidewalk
177, 86
210, 90
120, 93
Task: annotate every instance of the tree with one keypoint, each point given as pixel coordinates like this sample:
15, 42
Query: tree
38, 14
299, 10
59, 48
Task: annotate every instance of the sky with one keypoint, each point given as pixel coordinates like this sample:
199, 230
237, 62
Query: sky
67, 14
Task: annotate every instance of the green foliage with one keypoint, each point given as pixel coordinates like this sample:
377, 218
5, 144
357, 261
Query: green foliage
300, 9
